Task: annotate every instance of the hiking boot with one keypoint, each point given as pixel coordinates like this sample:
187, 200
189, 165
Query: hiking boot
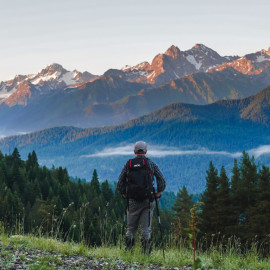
146, 246
130, 243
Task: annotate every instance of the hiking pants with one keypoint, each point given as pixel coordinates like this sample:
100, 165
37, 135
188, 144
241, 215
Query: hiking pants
139, 212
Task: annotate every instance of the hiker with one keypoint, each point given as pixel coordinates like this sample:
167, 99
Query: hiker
136, 184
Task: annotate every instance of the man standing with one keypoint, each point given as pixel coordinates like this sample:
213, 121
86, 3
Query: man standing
135, 183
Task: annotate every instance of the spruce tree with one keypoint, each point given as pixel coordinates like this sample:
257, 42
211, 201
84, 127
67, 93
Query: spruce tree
181, 208
224, 206
260, 213
209, 215
106, 191
249, 191
236, 196
94, 184
34, 159
16, 156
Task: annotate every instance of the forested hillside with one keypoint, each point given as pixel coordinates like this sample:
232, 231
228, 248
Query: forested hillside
217, 132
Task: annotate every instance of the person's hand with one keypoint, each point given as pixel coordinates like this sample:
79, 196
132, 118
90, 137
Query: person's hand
158, 195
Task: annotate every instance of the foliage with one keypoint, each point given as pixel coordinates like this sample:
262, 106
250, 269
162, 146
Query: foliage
239, 206
181, 208
34, 199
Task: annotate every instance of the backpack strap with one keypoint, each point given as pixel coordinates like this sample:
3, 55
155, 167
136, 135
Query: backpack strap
127, 198
148, 165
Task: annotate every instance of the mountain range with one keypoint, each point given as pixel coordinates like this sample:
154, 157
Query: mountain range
190, 106
57, 97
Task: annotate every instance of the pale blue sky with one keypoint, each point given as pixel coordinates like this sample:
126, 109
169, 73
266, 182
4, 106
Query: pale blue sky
97, 35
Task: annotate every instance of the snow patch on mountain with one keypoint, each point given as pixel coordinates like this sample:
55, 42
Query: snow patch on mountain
40, 79
4, 93
193, 61
261, 58
69, 77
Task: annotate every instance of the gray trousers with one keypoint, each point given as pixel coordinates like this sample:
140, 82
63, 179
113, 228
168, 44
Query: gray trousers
138, 212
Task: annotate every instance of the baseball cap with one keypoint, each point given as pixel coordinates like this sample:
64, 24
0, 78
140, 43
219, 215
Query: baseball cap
140, 147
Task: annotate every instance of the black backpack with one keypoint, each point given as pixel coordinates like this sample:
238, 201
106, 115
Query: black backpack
139, 180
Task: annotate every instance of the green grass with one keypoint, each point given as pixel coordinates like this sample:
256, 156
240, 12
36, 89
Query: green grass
214, 258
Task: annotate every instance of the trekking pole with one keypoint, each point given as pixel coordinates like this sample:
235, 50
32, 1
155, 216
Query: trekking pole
159, 223
123, 226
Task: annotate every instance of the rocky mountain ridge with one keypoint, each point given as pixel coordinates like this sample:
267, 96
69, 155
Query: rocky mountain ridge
174, 64
54, 77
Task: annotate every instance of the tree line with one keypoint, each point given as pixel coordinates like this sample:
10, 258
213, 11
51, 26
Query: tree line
37, 199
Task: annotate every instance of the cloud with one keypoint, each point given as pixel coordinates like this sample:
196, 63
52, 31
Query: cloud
159, 151
259, 151
163, 151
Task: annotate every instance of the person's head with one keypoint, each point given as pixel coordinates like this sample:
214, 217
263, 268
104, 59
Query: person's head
140, 148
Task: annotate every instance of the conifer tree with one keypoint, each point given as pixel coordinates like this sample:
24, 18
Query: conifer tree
94, 184
34, 159
249, 192
236, 196
16, 156
106, 191
260, 213
209, 214
248, 172
224, 206
182, 206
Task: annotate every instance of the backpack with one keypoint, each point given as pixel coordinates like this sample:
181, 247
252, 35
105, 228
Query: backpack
139, 180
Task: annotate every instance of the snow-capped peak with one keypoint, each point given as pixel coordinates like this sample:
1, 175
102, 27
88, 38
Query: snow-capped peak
52, 77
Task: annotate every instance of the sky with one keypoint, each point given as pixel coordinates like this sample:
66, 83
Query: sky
93, 36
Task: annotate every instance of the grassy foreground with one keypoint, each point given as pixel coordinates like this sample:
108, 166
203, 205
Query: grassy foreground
53, 250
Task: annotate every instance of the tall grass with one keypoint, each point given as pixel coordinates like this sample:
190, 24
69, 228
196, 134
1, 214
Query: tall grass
221, 254
216, 257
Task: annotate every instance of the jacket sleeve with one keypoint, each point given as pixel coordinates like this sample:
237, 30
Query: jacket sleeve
122, 182
161, 183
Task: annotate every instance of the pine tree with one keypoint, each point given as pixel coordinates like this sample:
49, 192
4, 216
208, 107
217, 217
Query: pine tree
16, 156
1, 156
249, 192
94, 184
182, 206
106, 191
224, 206
209, 214
34, 159
236, 196
260, 214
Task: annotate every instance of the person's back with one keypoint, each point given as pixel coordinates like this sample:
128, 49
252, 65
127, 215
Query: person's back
135, 183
